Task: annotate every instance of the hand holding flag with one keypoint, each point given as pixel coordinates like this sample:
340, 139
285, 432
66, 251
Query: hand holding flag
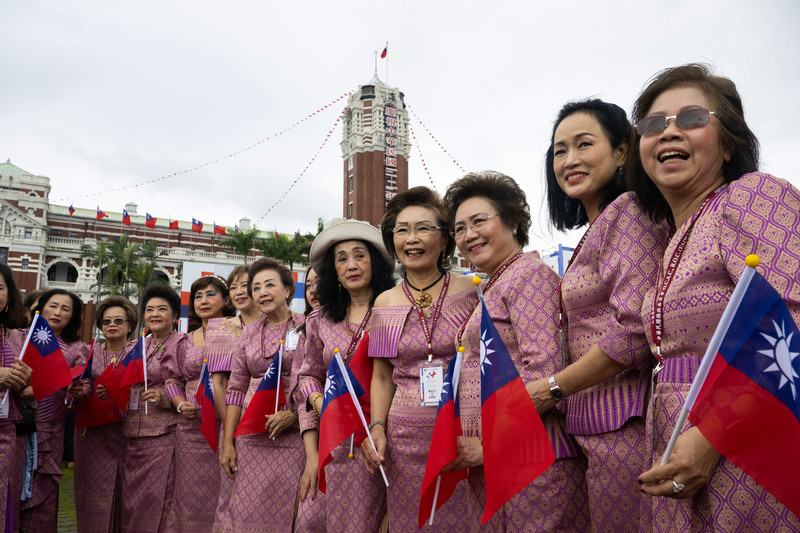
269, 395
204, 397
744, 398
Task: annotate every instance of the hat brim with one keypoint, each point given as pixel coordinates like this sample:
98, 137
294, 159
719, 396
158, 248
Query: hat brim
348, 230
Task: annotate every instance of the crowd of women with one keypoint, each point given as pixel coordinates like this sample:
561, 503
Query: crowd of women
671, 205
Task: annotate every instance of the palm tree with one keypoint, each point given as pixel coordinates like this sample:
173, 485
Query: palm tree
283, 248
143, 273
241, 242
125, 253
98, 256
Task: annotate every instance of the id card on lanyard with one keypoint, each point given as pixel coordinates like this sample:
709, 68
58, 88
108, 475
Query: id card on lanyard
292, 338
431, 376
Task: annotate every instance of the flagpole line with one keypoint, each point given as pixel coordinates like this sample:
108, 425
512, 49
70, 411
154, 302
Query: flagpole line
353, 396
277, 390
710, 355
24, 347
144, 365
435, 498
91, 349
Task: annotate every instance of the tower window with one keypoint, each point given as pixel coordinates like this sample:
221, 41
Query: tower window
350, 183
25, 263
350, 210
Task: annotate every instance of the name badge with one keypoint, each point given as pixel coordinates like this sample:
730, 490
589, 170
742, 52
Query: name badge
5, 402
430, 384
292, 338
133, 399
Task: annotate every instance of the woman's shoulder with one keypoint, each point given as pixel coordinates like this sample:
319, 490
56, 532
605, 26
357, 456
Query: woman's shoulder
761, 184
392, 298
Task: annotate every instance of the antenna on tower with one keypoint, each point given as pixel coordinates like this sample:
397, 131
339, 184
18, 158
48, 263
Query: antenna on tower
376, 63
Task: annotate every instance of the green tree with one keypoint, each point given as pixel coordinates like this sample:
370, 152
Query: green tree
241, 242
285, 248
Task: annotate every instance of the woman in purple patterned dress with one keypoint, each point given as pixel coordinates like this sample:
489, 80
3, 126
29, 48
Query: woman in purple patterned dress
222, 340
62, 310
15, 376
695, 166
197, 471
151, 420
265, 467
490, 219
606, 383
414, 230
353, 268
100, 450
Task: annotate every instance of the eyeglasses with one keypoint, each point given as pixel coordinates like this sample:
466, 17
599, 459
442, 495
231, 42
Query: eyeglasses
692, 117
422, 231
478, 223
116, 321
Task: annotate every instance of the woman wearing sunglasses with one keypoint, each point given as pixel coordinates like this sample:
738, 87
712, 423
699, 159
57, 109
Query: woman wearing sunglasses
695, 162
490, 219
615, 263
100, 450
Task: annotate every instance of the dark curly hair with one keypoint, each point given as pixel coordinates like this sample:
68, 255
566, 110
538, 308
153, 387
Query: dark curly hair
70, 331
12, 316
125, 304
423, 197
735, 134
505, 195
334, 299
165, 292
268, 263
221, 287
569, 213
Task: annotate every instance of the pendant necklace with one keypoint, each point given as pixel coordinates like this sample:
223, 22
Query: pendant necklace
424, 298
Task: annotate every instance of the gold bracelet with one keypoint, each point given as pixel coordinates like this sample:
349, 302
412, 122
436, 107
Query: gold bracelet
312, 399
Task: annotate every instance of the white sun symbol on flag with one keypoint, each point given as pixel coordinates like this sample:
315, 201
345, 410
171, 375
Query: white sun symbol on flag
269, 372
444, 393
330, 386
42, 336
783, 357
485, 350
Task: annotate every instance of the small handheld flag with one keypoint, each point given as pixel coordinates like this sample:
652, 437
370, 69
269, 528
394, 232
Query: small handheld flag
269, 395
43, 354
204, 397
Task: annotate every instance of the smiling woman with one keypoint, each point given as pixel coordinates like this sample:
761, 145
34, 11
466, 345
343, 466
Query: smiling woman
689, 170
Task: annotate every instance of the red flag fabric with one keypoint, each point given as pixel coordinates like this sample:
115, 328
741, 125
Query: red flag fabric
100, 214
339, 416
361, 368
126, 218
220, 230
173, 224
444, 448
747, 406
71, 210
197, 225
262, 404
204, 397
512, 459
92, 411
134, 364
385, 51
111, 379
149, 220
43, 354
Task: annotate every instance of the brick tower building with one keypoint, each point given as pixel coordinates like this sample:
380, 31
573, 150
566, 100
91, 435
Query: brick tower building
375, 149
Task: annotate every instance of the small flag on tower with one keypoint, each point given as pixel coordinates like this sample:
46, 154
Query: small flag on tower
385, 51
71, 210
126, 218
100, 214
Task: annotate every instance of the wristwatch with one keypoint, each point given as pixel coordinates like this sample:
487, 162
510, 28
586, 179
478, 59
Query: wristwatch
555, 391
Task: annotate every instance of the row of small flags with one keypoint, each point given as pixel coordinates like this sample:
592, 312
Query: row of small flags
150, 221
756, 317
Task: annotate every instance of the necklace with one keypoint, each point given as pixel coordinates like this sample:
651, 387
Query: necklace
112, 356
424, 298
355, 336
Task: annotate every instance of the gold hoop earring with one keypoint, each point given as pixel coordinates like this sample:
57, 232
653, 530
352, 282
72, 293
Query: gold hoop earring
340, 287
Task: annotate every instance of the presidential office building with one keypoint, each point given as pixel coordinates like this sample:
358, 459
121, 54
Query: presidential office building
41, 242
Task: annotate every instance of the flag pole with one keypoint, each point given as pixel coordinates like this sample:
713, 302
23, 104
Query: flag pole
24, 347
91, 349
352, 392
751, 262
277, 391
144, 366
456, 375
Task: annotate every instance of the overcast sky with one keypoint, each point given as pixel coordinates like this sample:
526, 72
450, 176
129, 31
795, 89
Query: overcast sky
99, 95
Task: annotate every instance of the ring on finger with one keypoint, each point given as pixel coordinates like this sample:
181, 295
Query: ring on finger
677, 488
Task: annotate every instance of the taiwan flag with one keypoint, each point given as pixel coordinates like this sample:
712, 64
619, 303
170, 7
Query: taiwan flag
512, 459
438, 486
71, 210
361, 369
126, 218
204, 397
263, 402
220, 230
340, 416
100, 214
111, 379
385, 51
197, 225
43, 354
92, 411
83, 371
134, 364
747, 399
173, 224
149, 220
